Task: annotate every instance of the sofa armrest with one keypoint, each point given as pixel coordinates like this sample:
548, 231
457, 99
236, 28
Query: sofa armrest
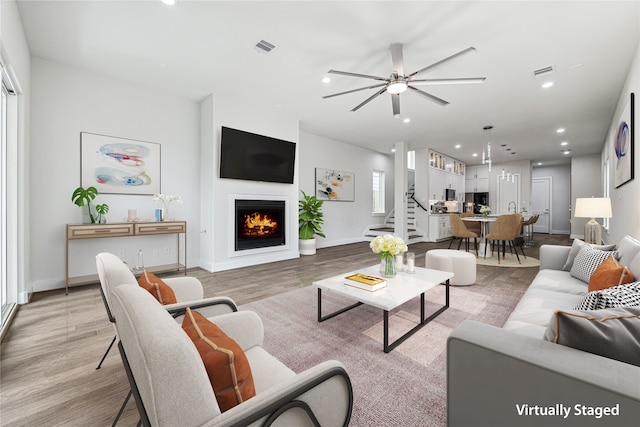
493, 373
185, 288
553, 257
323, 392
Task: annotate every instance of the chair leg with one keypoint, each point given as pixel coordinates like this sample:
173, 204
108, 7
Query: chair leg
106, 352
522, 249
485, 248
460, 243
475, 243
517, 256
124, 404
451, 242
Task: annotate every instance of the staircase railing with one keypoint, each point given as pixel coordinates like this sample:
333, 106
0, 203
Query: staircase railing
412, 197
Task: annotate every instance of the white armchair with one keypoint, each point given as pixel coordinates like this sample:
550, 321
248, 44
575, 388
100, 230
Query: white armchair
171, 386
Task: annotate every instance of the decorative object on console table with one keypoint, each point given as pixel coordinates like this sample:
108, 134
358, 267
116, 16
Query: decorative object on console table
593, 207
335, 185
119, 165
623, 140
102, 210
388, 246
166, 201
83, 198
310, 220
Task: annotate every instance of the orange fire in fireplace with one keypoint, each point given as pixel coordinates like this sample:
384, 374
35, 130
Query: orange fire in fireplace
258, 225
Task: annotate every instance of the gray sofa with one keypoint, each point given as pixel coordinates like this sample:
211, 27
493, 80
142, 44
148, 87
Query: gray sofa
511, 376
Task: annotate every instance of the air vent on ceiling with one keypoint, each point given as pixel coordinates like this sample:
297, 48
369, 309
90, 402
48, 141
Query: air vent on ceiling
543, 71
264, 47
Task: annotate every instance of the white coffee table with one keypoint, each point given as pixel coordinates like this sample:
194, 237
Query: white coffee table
400, 289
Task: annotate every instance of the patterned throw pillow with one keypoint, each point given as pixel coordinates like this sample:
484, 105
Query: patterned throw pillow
587, 260
575, 248
618, 296
610, 273
156, 287
226, 364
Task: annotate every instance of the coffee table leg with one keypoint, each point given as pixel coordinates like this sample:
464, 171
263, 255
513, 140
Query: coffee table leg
335, 313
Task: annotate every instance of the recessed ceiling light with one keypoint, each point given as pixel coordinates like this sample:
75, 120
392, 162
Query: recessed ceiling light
539, 163
458, 146
560, 130
475, 154
169, 2
407, 120
326, 79
393, 150
563, 143
566, 151
547, 84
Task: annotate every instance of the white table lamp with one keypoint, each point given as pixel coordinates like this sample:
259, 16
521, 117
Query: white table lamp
593, 207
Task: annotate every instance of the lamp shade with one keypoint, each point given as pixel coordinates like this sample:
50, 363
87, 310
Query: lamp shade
593, 207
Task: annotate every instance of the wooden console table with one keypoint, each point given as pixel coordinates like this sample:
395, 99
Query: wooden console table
100, 231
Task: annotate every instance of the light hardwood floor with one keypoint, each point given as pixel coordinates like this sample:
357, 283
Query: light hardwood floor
48, 356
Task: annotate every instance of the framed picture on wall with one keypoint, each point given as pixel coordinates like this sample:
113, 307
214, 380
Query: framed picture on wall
118, 165
335, 185
623, 145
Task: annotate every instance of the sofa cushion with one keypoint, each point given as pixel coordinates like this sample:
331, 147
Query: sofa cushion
617, 296
575, 248
612, 333
608, 274
587, 260
627, 248
559, 281
226, 364
156, 287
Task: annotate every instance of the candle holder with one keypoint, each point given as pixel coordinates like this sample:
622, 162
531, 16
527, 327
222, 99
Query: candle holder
411, 262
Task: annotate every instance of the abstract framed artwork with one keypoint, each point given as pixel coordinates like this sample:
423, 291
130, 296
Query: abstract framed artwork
335, 185
118, 165
623, 142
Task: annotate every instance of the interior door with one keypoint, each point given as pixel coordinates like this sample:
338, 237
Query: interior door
541, 204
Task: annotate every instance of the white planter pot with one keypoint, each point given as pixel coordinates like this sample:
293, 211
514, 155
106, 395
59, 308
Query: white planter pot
307, 246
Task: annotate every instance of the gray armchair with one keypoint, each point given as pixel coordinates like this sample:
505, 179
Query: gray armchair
171, 386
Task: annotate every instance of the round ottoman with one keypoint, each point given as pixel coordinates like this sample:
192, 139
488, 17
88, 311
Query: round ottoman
461, 264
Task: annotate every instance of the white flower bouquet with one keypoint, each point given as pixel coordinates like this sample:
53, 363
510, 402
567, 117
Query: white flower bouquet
388, 246
166, 201
485, 210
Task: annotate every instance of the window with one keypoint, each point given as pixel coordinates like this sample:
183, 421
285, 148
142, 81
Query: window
378, 192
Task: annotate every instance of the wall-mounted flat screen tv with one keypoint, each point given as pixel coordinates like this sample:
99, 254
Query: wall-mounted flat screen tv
245, 155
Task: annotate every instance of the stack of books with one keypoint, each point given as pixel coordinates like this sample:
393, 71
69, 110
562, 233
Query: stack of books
364, 281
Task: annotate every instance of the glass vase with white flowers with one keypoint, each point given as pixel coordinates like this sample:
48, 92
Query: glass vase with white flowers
388, 246
485, 210
166, 201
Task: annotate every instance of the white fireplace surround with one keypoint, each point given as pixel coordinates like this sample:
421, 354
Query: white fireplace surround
257, 251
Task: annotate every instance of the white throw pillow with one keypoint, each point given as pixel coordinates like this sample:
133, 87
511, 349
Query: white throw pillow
618, 296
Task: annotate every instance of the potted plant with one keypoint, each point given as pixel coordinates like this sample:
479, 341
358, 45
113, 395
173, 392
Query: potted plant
309, 223
102, 209
84, 197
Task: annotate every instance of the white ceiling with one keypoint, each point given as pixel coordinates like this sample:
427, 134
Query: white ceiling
198, 48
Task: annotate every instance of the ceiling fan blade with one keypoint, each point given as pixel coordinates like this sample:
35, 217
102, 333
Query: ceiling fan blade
460, 81
439, 63
397, 59
365, 76
429, 96
380, 92
395, 103
353, 90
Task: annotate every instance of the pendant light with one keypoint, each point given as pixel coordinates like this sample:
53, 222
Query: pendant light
487, 132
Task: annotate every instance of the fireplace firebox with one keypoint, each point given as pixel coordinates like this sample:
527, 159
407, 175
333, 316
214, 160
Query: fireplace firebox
259, 224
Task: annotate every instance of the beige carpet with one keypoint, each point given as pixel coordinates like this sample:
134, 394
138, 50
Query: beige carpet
406, 387
509, 261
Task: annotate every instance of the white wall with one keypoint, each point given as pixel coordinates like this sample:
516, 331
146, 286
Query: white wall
345, 222
16, 57
67, 101
218, 217
625, 203
586, 181
523, 168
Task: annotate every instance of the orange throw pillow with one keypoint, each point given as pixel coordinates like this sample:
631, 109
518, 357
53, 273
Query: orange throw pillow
227, 365
610, 273
160, 290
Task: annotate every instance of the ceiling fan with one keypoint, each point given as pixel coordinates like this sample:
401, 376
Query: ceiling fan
398, 82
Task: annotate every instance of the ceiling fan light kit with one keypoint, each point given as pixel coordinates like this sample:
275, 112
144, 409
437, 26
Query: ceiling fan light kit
398, 82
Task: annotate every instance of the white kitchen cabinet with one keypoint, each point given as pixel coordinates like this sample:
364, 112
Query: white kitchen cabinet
477, 179
439, 228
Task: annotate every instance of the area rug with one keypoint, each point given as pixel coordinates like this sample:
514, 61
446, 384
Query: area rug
509, 260
406, 387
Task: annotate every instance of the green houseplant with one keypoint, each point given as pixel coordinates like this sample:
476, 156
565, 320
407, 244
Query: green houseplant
102, 209
310, 220
83, 197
